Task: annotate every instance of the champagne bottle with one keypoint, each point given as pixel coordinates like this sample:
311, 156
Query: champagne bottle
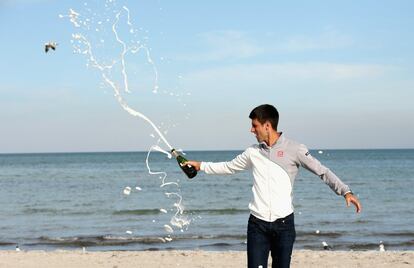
189, 170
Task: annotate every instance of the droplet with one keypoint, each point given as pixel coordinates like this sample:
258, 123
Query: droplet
168, 228
127, 190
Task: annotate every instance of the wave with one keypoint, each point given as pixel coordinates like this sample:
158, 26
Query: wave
405, 245
407, 234
303, 241
306, 235
223, 211
110, 240
6, 243
55, 212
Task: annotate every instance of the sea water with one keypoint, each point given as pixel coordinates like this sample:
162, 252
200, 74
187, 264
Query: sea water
75, 200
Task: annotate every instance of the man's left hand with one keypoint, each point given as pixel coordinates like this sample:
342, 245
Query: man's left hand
350, 198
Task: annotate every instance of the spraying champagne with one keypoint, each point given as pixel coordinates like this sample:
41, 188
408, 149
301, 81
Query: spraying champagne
189, 170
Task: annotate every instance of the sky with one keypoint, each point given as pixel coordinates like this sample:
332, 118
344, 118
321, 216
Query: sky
339, 72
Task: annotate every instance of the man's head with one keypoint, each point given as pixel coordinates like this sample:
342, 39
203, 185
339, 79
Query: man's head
265, 119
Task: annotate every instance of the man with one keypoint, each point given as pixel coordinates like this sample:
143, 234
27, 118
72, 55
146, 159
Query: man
274, 162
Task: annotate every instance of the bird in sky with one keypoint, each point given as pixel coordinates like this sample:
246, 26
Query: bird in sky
50, 45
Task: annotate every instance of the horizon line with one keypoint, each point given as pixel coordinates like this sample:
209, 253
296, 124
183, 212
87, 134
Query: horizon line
195, 150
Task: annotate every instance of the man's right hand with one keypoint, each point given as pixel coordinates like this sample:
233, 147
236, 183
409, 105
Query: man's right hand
195, 164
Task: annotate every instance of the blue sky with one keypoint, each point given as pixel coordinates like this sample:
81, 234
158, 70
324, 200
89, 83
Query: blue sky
339, 72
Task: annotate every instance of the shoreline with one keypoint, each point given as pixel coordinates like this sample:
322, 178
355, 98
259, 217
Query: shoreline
198, 258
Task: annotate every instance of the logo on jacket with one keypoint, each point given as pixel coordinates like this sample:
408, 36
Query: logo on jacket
279, 153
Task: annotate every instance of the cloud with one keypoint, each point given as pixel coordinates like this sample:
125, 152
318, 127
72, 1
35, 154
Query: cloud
289, 71
11, 3
236, 45
19, 2
328, 39
223, 45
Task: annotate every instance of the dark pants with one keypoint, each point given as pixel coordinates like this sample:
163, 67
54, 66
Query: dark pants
277, 237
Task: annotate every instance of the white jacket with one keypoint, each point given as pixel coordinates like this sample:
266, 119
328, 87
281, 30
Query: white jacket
274, 170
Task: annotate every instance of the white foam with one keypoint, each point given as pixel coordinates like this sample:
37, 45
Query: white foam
159, 149
82, 45
168, 228
163, 210
128, 232
127, 190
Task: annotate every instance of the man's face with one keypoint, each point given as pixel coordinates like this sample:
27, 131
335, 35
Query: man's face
261, 131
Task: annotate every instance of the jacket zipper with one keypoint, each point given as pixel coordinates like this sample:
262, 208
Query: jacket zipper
268, 187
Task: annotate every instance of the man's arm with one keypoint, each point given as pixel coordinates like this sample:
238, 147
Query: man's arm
241, 162
307, 161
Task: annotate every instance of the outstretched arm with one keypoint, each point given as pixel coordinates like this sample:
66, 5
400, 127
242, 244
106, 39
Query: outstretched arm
241, 162
307, 161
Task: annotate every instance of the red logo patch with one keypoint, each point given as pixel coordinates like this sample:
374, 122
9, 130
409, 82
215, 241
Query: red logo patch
279, 153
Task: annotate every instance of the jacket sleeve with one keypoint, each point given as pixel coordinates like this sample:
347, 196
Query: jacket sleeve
241, 162
307, 161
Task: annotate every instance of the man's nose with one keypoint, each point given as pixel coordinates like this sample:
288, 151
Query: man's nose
252, 130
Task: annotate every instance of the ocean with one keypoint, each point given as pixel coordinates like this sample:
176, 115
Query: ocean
74, 200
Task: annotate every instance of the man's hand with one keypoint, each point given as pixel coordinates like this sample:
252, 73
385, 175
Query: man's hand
195, 164
350, 198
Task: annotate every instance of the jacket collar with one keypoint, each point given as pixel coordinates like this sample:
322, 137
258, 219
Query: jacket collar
279, 141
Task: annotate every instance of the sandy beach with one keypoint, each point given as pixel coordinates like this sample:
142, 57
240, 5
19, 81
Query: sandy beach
118, 259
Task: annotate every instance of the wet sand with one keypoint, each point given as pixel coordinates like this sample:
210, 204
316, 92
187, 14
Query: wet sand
118, 259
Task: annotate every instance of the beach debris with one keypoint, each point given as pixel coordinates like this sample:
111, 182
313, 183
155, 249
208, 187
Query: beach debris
381, 246
163, 210
50, 45
326, 246
128, 232
127, 190
17, 248
317, 232
168, 228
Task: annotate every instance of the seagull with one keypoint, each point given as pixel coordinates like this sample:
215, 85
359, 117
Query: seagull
50, 45
326, 246
17, 248
381, 246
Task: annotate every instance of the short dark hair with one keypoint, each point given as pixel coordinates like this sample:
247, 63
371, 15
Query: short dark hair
265, 112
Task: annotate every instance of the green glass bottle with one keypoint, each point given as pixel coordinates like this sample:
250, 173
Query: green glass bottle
189, 170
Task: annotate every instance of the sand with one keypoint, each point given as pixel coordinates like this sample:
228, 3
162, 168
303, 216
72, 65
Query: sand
118, 259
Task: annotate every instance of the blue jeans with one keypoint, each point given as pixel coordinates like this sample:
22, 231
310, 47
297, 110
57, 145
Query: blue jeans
276, 237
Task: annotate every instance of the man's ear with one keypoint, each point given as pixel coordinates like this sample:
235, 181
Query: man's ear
268, 126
